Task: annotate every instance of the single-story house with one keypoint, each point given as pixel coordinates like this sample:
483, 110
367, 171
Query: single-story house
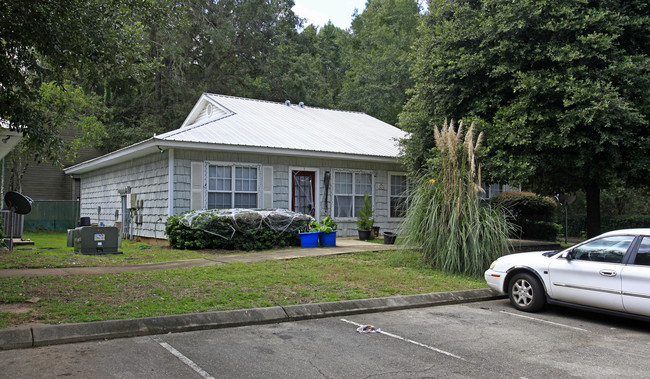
233, 152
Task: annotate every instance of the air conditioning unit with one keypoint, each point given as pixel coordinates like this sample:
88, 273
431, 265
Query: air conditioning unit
94, 240
17, 223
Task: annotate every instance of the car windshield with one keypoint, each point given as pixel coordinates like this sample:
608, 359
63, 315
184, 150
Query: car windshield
607, 249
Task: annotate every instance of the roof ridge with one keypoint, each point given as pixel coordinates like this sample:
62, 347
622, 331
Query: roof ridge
280, 103
174, 132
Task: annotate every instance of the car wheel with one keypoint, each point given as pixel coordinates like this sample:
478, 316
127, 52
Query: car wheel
526, 293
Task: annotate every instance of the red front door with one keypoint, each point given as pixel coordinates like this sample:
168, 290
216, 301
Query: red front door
303, 189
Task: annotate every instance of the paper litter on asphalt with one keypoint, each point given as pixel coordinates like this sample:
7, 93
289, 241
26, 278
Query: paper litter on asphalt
368, 329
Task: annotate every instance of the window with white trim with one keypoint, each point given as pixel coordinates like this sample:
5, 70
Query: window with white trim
231, 186
349, 191
398, 187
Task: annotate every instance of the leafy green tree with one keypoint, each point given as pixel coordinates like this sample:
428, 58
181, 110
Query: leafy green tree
63, 107
310, 67
379, 58
562, 89
45, 41
231, 47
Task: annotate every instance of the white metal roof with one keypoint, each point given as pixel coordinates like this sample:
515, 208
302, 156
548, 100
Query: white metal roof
246, 122
227, 123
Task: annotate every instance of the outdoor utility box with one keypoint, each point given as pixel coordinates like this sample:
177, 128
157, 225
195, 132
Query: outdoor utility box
93, 240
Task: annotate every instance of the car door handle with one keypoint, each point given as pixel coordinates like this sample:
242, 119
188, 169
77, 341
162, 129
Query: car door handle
607, 273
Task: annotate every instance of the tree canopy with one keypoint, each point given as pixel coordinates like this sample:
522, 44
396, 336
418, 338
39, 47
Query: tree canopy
149, 60
380, 58
562, 89
55, 41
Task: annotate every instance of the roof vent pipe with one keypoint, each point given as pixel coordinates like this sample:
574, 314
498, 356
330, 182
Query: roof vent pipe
287, 103
301, 104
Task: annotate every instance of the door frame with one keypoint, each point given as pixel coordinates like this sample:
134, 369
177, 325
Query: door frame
316, 172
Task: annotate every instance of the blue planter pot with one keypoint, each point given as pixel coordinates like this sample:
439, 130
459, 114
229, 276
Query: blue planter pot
309, 239
327, 239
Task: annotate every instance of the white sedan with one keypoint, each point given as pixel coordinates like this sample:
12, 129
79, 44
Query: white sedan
609, 273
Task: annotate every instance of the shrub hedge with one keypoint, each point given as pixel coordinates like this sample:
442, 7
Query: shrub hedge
578, 223
534, 215
235, 229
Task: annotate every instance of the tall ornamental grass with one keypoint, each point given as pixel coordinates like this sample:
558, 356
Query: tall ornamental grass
445, 217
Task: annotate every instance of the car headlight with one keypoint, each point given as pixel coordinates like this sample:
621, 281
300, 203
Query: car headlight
492, 265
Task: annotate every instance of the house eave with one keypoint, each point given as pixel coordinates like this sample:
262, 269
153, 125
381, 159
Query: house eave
138, 150
156, 146
279, 151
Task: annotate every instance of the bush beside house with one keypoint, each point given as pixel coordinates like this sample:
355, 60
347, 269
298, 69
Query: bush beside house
578, 223
534, 215
235, 229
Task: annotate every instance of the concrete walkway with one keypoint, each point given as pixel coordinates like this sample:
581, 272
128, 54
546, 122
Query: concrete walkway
343, 246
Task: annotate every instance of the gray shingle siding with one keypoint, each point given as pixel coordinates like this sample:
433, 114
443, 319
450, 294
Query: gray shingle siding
147, 177
281, 181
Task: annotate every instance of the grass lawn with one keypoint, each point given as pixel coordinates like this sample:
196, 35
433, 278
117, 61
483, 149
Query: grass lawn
50, 250
51, 300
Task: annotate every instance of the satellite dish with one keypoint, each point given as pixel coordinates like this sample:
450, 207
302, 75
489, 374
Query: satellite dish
18, 202
566, 199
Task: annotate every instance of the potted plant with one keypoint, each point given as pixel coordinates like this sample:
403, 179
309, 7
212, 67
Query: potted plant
309, 237
327, 236
365, 220
389, 238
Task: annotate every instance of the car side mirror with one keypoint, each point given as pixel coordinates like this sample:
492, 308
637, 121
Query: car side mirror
569, 255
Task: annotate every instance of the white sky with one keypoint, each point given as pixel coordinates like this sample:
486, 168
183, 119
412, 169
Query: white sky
318, 12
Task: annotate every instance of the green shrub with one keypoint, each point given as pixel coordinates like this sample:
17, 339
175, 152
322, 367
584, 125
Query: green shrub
235, 230
365, 220
542, 230
625, 222
533, 215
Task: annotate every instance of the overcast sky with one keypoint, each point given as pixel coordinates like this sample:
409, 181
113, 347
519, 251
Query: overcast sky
318, 12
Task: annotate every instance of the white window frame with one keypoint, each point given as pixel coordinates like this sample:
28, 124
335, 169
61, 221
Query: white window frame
390, 191
233, 165
354, 194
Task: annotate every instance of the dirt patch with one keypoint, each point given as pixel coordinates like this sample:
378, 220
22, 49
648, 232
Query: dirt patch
16, 308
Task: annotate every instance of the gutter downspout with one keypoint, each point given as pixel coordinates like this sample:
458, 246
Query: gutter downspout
170, 194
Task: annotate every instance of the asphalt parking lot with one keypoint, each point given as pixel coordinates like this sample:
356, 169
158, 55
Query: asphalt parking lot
478, 340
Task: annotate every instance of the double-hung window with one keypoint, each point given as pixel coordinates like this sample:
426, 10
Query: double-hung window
349, 191
231, 186
398, 186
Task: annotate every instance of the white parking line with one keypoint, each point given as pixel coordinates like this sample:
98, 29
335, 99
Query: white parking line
544, 321
184, 359
410, 341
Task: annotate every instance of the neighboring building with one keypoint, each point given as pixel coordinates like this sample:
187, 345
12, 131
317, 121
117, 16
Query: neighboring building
45, 181
240, 153
495, 189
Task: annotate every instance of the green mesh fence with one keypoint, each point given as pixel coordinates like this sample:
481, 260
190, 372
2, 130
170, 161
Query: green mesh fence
54, 215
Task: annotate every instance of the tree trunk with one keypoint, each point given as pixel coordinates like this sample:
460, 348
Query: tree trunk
593, 209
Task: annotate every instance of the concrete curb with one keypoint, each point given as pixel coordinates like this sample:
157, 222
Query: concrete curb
19, 338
